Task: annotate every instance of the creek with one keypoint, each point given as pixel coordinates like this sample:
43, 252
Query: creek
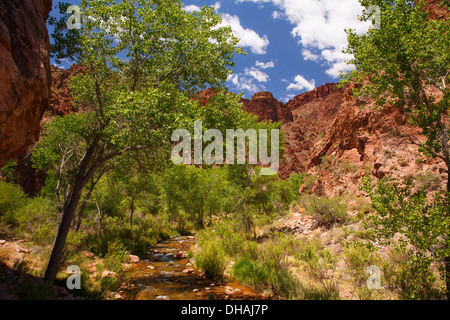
168, 274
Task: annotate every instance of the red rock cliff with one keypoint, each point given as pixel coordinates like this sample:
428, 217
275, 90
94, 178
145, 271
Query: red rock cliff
25, 77
266, 107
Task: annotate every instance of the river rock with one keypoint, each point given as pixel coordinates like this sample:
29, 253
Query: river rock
134, 259
117, 296
107, 273
229, 290
188, 271
88, 254
181, 255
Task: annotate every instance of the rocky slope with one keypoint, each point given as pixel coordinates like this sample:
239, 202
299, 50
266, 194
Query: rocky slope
337, 139
313, 113
362, 140
25, 76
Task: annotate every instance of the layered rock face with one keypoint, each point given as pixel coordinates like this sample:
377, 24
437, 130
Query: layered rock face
313, 114
61, 101
25, 77
267, 108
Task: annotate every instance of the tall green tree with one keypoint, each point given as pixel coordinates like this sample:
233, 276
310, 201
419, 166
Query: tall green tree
407, 62
141, 61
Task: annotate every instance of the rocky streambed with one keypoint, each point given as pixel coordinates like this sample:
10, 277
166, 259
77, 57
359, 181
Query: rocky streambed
168, 274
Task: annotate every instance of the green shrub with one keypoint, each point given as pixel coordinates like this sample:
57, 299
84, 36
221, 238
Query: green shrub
265, 275
358, 259
115, 256
263, 266
12, 199
211, 260
37, 220
430, 181
232, 240
423, 223
320, 263
411, 278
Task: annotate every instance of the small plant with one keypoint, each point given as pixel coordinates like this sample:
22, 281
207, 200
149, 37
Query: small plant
21, 266
321, 265
264, 267
411, 278
430, 181
327, 211
115, 257
211, 260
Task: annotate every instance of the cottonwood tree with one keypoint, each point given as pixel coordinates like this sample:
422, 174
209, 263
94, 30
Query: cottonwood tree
407, 62
141, 61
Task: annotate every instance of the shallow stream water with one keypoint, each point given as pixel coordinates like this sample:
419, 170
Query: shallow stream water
167, 274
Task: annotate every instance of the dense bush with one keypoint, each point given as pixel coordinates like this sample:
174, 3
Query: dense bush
12, 199
264, 267
212, 260
413, 279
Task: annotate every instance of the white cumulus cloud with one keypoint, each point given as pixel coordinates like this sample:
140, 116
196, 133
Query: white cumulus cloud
191, 8
264, 65
249, 38
300, 83
252, 78
259, 75
319, 26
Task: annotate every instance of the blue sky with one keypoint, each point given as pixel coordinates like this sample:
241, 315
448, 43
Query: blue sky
293, 45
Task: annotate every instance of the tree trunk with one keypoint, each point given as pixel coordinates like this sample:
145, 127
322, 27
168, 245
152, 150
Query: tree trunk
131, 215
447, 259
68, 211
447, 275
99, 220
82, 207
63, 230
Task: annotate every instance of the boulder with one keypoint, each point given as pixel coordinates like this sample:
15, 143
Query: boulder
107, 273
134, 259
188, 271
